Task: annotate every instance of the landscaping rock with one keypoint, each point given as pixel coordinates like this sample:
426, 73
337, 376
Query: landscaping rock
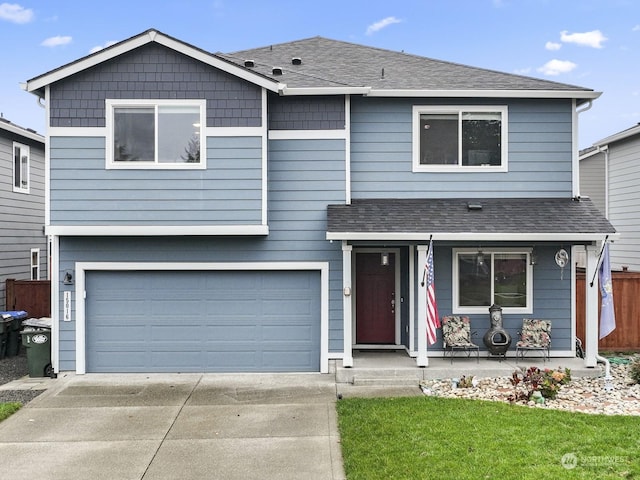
582, 394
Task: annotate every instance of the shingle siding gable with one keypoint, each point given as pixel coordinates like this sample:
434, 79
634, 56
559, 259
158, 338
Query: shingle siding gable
154, 72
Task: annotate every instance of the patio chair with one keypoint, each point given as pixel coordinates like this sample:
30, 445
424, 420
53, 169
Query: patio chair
456, 336
535, 335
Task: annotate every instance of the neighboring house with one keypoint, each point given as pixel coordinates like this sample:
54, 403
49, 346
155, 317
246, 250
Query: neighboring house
271, 209
23, 244
610, 175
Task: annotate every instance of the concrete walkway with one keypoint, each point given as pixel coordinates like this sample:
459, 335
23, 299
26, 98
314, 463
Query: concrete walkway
167, 427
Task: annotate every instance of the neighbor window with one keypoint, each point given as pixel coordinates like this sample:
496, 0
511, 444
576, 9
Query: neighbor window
35, 264
20, 168
160, 134
459, 138
483, 278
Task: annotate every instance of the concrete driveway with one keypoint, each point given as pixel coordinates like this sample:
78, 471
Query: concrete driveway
168, 427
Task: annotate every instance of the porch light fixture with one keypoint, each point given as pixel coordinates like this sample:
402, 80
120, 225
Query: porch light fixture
68, 278
533, 258
480, 258
384, 259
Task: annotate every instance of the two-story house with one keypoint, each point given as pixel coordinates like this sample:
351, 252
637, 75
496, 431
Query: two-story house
271, 209
23, 244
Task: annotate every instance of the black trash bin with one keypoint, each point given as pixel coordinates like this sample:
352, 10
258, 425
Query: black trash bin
38, 344
12, 336
5, 327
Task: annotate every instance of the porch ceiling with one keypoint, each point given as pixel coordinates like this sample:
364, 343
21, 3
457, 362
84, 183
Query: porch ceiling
525, 219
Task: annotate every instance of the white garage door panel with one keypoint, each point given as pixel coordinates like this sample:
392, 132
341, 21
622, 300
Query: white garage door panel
202, 321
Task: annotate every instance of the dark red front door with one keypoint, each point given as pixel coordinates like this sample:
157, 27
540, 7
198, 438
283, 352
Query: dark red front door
375, 299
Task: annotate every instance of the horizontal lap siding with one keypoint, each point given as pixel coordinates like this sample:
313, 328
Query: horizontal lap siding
552, 297
304, 177
624, 202
21, 214
228, 192
540, 155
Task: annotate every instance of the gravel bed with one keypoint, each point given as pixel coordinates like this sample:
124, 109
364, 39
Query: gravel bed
13, 368
581, 394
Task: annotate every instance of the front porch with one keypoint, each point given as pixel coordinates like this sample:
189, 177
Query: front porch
397, 368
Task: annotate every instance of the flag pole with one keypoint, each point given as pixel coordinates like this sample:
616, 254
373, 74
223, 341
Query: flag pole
599, 260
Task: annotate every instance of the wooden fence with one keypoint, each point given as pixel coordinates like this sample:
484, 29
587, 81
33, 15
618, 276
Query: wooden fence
626, 299
32, 296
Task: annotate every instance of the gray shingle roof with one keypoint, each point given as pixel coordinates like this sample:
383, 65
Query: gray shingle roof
327, 63
497, 216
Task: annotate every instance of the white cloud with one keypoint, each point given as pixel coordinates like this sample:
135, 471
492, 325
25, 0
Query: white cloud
385, 22
15, 13
97, 48
523, 71
553, 46
556, 67
636, 28
56, 41
592, 39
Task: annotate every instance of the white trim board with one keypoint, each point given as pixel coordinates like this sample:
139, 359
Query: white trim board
81, 268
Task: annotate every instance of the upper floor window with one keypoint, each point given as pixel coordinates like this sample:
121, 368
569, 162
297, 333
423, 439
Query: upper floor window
482, 278
461, 138
155, 133
21, 162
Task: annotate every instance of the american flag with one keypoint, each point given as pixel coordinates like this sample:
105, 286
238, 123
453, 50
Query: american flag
433, 321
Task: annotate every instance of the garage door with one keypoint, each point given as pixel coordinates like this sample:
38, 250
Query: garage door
202, 321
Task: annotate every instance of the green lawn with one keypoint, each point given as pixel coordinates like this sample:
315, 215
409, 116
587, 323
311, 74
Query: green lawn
438, 438
8, 409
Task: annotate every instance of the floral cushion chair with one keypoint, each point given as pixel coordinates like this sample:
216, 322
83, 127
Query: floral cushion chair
535, 335
456, 336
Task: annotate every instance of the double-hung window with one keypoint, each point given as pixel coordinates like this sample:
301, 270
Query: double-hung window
460, 138
155, 134
482, 278
21, 162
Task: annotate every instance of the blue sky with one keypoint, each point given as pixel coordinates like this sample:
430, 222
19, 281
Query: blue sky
591, 43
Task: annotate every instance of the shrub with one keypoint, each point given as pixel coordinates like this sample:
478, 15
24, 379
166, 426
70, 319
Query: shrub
547, 382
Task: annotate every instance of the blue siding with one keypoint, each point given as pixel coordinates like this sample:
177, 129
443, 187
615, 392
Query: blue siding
154, 72
228, 192
304, 177
552, 298
540, 155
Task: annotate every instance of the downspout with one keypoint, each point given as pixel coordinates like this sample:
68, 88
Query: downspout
608, 379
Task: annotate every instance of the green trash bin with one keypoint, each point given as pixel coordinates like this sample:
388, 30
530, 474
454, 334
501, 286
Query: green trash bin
38, 344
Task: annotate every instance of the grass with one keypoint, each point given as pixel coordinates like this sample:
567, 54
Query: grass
438, 438
8, 409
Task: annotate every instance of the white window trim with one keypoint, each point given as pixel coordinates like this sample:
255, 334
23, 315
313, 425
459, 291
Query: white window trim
23, 149
110, 104
36, 265
457, 309
456, 109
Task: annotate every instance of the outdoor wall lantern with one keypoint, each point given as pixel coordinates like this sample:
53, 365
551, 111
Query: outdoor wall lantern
384, 259
68, 278
480, 258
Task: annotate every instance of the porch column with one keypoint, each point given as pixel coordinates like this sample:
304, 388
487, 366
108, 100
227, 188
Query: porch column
422, 360
591, 307
347, 305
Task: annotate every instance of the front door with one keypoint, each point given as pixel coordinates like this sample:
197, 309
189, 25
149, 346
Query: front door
375, 299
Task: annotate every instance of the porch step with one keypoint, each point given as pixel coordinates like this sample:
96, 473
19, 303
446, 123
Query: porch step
399, 381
